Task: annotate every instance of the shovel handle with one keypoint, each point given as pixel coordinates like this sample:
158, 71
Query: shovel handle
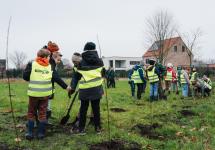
70, 106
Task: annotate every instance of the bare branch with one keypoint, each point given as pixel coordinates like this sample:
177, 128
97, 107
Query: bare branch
18, 58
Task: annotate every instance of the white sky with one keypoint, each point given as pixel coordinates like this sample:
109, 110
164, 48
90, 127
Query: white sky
120, 24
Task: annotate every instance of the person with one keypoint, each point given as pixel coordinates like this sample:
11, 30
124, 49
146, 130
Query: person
111, 78
131, 81
89, 75
174, 81
169, 77
107, 77
55, 59
185, 82
161, 84
40, 76
138, 79
153, 75
207, 85
193, 80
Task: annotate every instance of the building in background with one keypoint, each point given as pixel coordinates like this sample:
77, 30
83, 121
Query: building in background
121, 63
174, 50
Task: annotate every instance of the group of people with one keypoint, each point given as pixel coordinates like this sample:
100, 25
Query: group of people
164, 79
88, 73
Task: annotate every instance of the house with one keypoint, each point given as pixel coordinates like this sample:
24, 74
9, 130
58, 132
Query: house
121, 63
174, 51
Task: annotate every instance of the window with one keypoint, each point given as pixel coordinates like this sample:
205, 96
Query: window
183, 48
134, 62
111, 63
147, 61
175, 48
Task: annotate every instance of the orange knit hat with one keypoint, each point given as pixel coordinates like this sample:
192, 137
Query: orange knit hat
52, 47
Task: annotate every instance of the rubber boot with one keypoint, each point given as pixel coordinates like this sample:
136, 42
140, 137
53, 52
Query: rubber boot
29, 134
41, 130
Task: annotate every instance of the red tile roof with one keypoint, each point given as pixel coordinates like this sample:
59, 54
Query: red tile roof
168, 43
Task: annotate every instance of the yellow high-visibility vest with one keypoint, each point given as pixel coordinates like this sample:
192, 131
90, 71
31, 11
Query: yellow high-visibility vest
90, 78
153, 77
193, 77
168, 76
183, 80
40, 84
136, 76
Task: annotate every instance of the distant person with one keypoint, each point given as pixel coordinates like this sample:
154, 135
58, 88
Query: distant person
111, 78
139, 80
185, 82
40, 76
193, 80
208, 85
153, 75
131, 81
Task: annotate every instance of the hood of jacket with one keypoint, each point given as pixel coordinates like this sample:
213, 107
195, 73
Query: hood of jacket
136, 67
90, 59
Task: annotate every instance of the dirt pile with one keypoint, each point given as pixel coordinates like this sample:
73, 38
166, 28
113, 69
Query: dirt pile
116, 144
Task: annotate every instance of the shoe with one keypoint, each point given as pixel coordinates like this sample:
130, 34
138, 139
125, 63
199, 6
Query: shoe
41, 130
78, 131
29, 135
98, 130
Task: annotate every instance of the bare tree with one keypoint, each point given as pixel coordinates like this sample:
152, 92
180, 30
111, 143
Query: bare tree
18, 58
160, 27
192, 40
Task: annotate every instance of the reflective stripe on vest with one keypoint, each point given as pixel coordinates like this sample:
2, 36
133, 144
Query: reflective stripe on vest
183, 80
136, 76
40, 84
193, 77
90, 78
168, 76
153, 77
207, 85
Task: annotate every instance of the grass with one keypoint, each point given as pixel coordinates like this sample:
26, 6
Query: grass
176, 131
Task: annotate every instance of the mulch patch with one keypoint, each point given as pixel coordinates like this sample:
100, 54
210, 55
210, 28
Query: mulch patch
117, 109
116, 144
149, 131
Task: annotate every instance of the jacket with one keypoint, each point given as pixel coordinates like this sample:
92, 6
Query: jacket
90, 60
55, 76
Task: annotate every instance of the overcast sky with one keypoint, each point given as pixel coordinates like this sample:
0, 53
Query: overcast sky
120, 24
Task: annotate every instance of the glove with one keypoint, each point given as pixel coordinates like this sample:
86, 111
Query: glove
70, 92
129, 82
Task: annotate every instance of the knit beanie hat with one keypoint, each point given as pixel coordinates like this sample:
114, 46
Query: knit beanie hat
89, 46
52, 47
43, 53
151, 62
76, 57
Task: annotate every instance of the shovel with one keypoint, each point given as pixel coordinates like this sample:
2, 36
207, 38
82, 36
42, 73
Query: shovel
65, 119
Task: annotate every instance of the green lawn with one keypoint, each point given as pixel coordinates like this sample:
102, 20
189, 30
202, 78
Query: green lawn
172, 124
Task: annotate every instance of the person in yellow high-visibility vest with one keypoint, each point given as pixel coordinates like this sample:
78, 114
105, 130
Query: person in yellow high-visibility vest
153, 77
89, 75
169, 77
185, 82
40, 76
138, 79
193, 80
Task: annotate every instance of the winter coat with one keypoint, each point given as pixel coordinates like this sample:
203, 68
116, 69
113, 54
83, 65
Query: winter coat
90, 60
157, 71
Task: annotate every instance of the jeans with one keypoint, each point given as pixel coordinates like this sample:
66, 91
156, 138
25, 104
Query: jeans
154, 89
132, 85
184, 88
139, 90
